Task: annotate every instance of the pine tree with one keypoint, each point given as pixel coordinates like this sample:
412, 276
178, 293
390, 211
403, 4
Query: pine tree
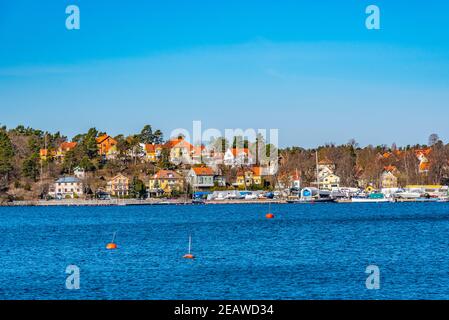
6, 156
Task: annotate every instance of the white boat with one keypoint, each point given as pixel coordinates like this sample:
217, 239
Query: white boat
369, 200
372, 198
408, 195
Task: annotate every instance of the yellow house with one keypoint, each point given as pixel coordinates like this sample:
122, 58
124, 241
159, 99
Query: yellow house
166, 181
249, 177
59, 153
180, 149
153, 152
388, 178
118, 186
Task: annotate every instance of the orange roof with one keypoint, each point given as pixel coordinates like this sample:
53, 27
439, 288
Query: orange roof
296, 175
425, 152
167, 174
240, 150
424, 166
104, 137
203, 171
257, 171
325, 161
152, 147
198, 150
179, 143
398, 152
67, 146
390, 168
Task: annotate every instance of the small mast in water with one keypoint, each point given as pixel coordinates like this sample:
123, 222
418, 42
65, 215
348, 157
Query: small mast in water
189, 255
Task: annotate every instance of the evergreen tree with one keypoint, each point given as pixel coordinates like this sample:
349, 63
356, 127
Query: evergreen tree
138, 188
158, 137
6, 155
30, 167
146, 135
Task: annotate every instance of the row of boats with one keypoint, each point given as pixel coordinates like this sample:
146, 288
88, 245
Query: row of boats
313, 195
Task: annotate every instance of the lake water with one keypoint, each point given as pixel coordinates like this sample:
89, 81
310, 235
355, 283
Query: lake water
316, 251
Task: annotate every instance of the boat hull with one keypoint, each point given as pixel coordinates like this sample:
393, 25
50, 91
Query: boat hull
358, 200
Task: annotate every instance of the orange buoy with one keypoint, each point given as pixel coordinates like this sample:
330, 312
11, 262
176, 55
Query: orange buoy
189, 255
111, 246
269, 216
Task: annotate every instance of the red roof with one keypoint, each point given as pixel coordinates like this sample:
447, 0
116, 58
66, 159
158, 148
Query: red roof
167, 174
152, 147
325, 161
425, 152
390, 168
240, 150
203, 171
257, 171
178, 143
67, 146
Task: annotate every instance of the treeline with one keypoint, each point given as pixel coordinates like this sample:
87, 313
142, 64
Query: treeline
361, 166
23, 173
21, 166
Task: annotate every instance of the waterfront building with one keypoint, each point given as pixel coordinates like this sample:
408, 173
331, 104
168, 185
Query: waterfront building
67, 187
389, 177
328, 180
118, 186
251, 176
201, 177
166, 182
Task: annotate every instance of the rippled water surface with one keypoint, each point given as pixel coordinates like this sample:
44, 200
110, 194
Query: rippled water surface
308, 252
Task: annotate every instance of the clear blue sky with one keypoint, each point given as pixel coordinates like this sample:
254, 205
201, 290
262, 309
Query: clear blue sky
309, 68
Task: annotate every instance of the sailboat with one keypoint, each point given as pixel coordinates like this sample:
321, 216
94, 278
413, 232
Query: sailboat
189, 255
312, 195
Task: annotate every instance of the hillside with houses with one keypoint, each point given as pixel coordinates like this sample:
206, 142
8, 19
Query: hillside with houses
35, 164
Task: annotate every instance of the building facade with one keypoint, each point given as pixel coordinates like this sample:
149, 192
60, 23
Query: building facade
118, 186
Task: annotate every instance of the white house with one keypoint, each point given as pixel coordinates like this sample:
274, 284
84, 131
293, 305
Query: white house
238, 156
201, 178
79, 173
67, 187
328, 180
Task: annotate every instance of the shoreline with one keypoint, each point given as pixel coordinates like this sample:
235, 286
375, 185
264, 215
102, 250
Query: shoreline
169, 202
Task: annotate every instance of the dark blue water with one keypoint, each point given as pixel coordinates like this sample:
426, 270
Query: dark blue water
308, 252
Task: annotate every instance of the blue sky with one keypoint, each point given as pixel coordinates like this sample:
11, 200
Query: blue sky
309, 68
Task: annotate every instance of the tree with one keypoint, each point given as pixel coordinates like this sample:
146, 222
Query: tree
6, 157
158, 137
87, 164
138, 188
433, 139
30, 167
146, 135
90, 143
